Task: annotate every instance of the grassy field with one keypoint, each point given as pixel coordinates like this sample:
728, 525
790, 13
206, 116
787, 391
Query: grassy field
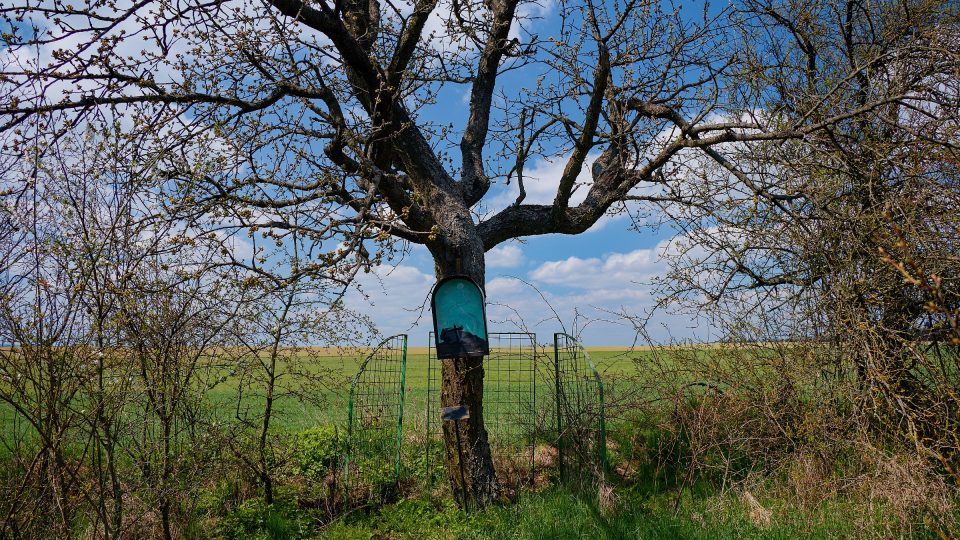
649, 504
613, 364
560, 514
328, 404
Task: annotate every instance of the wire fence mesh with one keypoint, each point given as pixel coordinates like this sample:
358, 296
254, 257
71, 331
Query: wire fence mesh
581, 430
544, 416
510, 408
375, 422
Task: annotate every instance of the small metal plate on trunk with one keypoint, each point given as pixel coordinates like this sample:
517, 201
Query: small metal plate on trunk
451, 414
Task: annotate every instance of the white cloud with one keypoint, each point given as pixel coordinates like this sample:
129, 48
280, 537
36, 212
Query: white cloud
529, 15
501, 286
541, 178
614, 269
508, 256
580, 290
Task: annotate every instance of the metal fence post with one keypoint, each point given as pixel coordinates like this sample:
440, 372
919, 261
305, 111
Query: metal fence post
603, 425
559, 399
403, 384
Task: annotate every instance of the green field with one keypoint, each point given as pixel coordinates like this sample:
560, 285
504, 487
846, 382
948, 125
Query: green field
614, 365
653, 500
328, 404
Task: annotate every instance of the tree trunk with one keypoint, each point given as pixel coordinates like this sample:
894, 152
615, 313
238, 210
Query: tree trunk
466, 448
265, 477
475, 484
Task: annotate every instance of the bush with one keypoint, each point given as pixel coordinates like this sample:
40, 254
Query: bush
254, 519
319, 451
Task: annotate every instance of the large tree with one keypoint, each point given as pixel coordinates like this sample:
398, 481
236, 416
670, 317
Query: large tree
858, 248
333, 122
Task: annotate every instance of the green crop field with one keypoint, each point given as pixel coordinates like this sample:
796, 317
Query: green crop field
328, 405
340, 369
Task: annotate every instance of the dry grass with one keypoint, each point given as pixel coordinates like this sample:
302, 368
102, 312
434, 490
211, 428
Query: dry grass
773, 420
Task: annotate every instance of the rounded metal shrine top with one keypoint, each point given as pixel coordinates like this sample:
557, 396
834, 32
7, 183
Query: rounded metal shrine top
459, 318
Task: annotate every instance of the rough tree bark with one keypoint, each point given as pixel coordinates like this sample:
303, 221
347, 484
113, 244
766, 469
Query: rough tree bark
459, 250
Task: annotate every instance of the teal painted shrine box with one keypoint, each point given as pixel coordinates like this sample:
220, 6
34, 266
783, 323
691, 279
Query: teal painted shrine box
459, 318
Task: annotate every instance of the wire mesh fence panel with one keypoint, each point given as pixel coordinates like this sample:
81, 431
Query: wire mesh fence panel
510, 410
375, 422
579, 406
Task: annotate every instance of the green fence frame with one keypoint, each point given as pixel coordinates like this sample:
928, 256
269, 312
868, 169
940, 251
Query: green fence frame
580, 415
375, 415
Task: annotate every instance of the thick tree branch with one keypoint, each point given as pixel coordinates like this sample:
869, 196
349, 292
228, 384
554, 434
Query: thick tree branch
474, 180
325, 21
407, 44
536, 219
601, 77
380, 100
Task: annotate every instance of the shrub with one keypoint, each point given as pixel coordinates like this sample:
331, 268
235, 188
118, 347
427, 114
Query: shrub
319, 451
254, 519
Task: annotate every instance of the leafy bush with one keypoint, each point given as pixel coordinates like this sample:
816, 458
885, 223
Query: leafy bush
319, 450
254, 519
222, 498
